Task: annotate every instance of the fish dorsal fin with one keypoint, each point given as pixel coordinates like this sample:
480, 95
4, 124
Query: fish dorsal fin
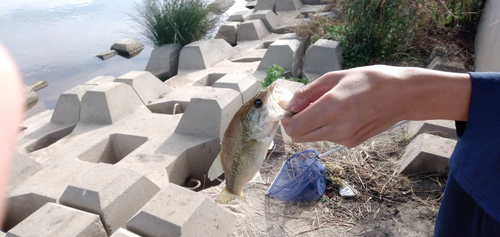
216, 168
257, 179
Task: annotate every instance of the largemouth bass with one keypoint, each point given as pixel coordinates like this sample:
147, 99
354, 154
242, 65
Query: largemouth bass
246, 141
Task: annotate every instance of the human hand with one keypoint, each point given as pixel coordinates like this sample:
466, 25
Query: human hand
348, 107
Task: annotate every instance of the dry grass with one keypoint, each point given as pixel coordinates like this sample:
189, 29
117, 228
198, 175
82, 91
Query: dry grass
371, 170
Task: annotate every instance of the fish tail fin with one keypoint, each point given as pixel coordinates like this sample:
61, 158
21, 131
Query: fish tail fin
225, 197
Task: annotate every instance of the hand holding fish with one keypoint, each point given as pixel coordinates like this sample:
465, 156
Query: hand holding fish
348, 107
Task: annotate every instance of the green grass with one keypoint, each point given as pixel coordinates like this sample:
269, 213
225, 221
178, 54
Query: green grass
276, 72
174, 21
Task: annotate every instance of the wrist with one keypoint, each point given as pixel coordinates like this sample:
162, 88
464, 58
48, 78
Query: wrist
437, 95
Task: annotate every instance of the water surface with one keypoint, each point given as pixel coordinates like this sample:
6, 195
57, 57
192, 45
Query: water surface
56, 41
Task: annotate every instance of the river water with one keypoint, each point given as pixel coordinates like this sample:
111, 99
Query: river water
57, 40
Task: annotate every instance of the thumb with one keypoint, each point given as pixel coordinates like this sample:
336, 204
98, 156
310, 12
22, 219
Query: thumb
309, 93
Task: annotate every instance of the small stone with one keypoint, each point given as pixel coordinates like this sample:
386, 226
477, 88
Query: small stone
128, 47
107, 54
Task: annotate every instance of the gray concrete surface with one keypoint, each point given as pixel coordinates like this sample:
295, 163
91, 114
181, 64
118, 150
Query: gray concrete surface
54, 220
124, 233
247, 85
487, 39
285, 53
240, 16
203, 54
176, 211
228, 32
128, 46
146, 85
288, 5
427, 154
322, 57
442, 128
164, 61
269, 18
114, 193
251, 30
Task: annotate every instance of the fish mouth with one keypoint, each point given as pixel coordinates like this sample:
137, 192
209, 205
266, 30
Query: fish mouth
280, 97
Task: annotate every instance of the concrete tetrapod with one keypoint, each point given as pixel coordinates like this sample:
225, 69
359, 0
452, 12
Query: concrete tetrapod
108, 103
54, 220
269, 18
251, 30
209, 113
164, 61
176, 211
146, 85
247, 85
427, 154
288, 5
114, 193
201, 55
322, 57
285, 53
228, 32
442, 128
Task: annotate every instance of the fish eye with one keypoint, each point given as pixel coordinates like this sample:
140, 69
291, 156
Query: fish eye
258, 103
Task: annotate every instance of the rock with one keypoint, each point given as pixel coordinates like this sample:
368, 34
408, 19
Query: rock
108, 103
427, 154
128, 47
176, 211
288, 5
269, 18
164, 61
147, 86
55, 220
322, 57
30, 97
240, 16
442, 128
285, 53
107, 54
114, 193
445, 65
201, 55
39, 85
228, 32
251, 30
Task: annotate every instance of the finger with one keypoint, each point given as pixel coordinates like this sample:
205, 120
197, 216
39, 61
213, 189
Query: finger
311, 92
318, 114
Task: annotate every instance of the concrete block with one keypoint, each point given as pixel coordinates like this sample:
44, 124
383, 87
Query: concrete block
220, 6
240, 16
201, 55
322, 57
100, 80
176, 211
265, 5
107, 54
285, 53
44, 186
164, 61
124, 233
108, 103
251, 30
54, 220
427, 154
445, 65
288, 5
442, 128
247, 85
113, 148
228, 32
22, 168
68, 105
251, 4
112, 192
269, 18
30, 97
128, 46
209, 113
146, 85
290, 36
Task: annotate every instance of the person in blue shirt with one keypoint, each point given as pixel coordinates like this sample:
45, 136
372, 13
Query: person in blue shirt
350, 106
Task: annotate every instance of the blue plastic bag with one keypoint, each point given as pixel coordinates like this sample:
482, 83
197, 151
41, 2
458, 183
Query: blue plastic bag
301, 178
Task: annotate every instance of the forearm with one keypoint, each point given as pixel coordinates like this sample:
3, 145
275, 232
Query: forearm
436, 95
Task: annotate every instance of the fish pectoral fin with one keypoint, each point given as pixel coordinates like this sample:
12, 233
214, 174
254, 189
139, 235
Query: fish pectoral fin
257, 179
225, 197
216, 168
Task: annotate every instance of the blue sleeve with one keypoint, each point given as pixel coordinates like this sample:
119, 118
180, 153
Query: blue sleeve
475, 162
